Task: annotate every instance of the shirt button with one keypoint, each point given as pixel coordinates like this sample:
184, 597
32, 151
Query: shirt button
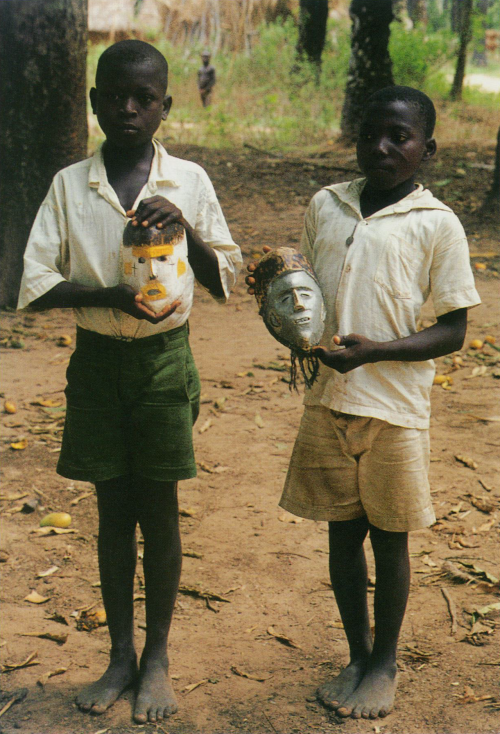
348, 268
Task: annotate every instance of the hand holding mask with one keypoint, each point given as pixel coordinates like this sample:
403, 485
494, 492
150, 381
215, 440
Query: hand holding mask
155, 263
291, 305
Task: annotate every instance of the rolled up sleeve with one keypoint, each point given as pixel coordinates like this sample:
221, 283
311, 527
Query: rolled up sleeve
451, 277
45, 258
212, 228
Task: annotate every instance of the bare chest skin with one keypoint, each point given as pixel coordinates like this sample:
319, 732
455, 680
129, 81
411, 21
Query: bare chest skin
372, 201
128, 176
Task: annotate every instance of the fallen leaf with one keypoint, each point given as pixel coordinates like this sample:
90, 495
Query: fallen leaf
35, 598
187, 511
484, 611
199, 594
45, 677
205, 426
288, 517
469, 696
466, 460
191, 554
193, 686
42, 532
48, 572
250, 676
283, 639
30, 660
258, 420
90, 618
482, 503
60, 639
58, 618
47, 403
80, 498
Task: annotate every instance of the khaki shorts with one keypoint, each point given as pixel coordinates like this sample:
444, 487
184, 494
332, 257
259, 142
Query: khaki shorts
348, 466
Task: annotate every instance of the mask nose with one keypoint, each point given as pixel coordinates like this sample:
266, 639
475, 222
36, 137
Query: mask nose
297, 301
152, 270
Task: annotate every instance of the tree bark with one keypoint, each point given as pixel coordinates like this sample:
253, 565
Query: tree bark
370, 66
492, 202
313, 17
417, 11
465, 36
43, 117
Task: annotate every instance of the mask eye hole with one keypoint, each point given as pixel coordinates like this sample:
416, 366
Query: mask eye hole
162, 258
142, 259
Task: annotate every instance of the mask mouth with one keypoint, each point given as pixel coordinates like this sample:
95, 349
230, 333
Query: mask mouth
302, 320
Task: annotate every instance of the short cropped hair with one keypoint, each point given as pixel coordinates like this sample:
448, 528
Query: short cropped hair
412, 96
132, 51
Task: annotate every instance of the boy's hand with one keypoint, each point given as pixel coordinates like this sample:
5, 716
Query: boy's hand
249, 280
358, 350
125, 298
156, 210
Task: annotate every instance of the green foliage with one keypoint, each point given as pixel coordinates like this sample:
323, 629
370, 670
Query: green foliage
417, 55
270, 99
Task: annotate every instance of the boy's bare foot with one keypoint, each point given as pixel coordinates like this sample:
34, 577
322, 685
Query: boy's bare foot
374, 696
156, 698
99, 696
333, 693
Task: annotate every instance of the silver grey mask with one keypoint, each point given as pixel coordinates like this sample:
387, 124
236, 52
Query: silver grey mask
295, 310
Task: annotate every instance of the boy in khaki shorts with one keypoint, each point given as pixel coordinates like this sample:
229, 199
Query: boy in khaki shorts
379, 246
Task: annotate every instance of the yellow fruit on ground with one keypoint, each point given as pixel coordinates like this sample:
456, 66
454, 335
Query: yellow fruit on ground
476, 344
489, 339
64, 340
480, 266
56, 520
440, 379
9, 407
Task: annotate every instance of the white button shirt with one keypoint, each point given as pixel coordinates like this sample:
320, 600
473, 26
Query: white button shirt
376, 273
78, 231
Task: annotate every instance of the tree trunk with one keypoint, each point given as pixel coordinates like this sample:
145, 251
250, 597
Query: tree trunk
370, 66
417, 11
43, 117
465, 36
492, 203
312, 31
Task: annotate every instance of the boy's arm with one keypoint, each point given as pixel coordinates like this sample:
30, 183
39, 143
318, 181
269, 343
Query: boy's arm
446, 336
122, 297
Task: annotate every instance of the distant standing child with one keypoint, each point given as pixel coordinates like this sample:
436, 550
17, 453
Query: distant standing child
380, 246
133, 388
206, 79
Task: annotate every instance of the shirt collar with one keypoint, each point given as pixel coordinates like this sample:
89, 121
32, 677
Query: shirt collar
349, 193
163, 169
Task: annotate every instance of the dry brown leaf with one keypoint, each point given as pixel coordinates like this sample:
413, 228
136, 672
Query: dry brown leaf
45, 677
199, 594
187, 511
477, 372
469, 696
48, 572
487, 526
80, 498
258, 420
466, 460
205, 426
483, 484
42, 532
54, 637
35, 598
482, 503
288, 517
30, 660
250, 676
193, 686
283, 639
47, 403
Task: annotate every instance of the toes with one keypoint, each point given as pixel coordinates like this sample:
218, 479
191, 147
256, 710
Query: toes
383, 713
98, 709
140, 717
374, 714
344, 711
365, 713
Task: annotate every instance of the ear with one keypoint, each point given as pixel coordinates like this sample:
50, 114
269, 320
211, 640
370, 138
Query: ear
167, 104
430, 149
93, 99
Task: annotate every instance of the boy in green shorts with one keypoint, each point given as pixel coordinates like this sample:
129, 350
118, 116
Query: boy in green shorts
133, 388
379, 245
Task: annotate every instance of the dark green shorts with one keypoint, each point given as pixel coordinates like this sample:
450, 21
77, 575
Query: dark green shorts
131, 407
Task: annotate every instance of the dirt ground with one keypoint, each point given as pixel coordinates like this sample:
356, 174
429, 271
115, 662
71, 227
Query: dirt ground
232, 670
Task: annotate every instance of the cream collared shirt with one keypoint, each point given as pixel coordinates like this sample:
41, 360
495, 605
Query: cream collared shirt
77, 236
376, 286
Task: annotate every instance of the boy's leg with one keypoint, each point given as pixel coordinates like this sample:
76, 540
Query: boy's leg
117, 560
375, 694
158, 516
349, 577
